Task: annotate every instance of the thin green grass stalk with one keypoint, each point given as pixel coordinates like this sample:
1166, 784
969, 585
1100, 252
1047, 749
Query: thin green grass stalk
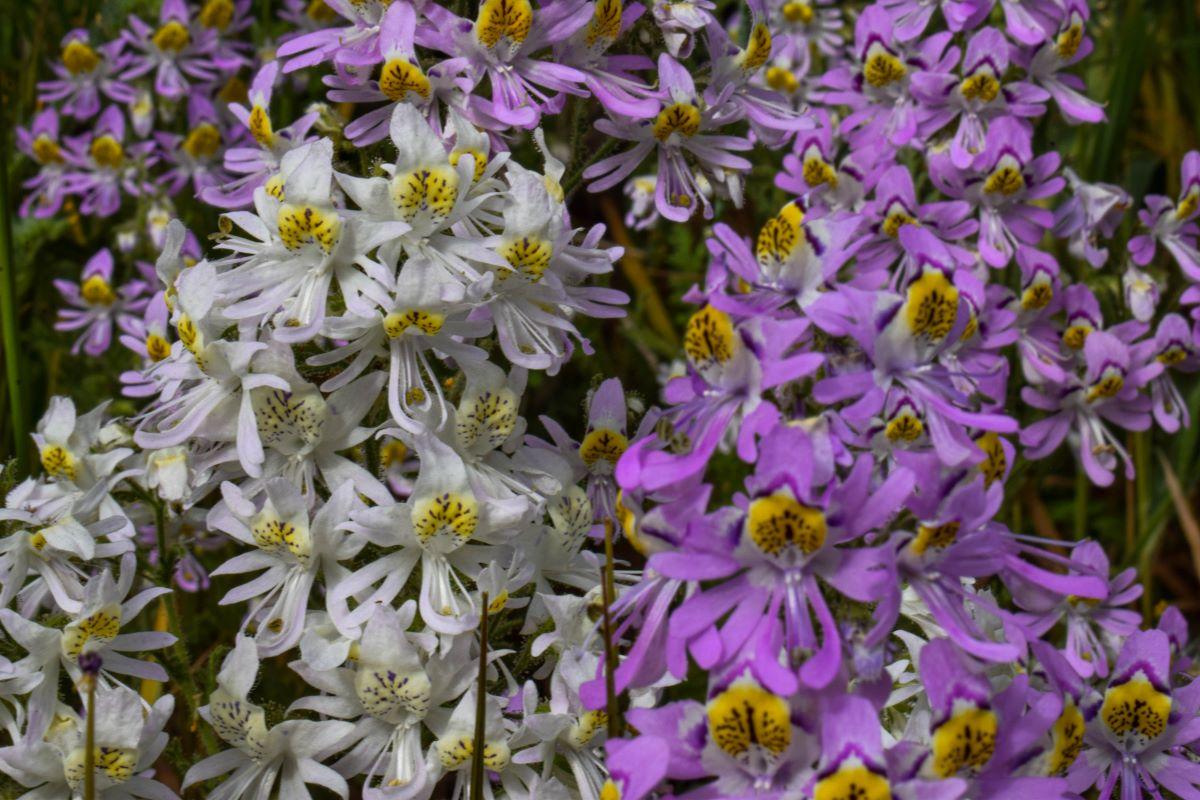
8, 318
480, 705
607, 593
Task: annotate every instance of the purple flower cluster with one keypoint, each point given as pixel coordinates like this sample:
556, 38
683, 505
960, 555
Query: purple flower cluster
858, 361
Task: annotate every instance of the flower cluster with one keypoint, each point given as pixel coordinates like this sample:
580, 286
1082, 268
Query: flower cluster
329, 426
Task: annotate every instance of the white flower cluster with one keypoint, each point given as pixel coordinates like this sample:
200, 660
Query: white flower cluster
331, 405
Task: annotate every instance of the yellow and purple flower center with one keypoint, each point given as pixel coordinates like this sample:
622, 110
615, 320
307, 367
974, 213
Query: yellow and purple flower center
779, 522
681, 118
749, 723
503, 20
78, 57
965, 741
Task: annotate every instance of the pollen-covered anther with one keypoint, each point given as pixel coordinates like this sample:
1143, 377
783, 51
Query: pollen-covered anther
301, 225
681, 118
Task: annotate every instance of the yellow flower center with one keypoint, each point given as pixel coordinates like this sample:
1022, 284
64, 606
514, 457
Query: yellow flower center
746, 721
605, 26
276, 535
260, 126
1067, 740
780, 236
503, 19
383, 691
1006, 179
480, 160
100, 627
905, 426
486, 419
427, 322
681, 118
1136, 711
79, 58
981, 86
433, 191
853, 782
818, 171
1075, 335
399, 78
529, 255
603, 447
1067, 43
935, 536
448, 515
172, 37
586, 726
896, 220
392, 453
779, 522
157, 347
995, 462
96, 292
107, 151
882, 68
782, 80
965, 741
758, 49
610, 791
798, 11
203, 141
46, 151
709, 339
1038, 294
115, 763
216, 14
1110, 384
301, 225
931, 308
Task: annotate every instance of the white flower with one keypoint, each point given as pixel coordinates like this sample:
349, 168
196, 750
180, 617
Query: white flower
128, 740
289, 549
264, 762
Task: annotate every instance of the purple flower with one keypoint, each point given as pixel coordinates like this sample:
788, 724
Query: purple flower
47, 188
95, 305
84, 74
681, 126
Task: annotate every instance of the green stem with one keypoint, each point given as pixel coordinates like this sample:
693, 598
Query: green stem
573, 178
1082, 494
607, 593
8, 319
89, 754
480, 705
